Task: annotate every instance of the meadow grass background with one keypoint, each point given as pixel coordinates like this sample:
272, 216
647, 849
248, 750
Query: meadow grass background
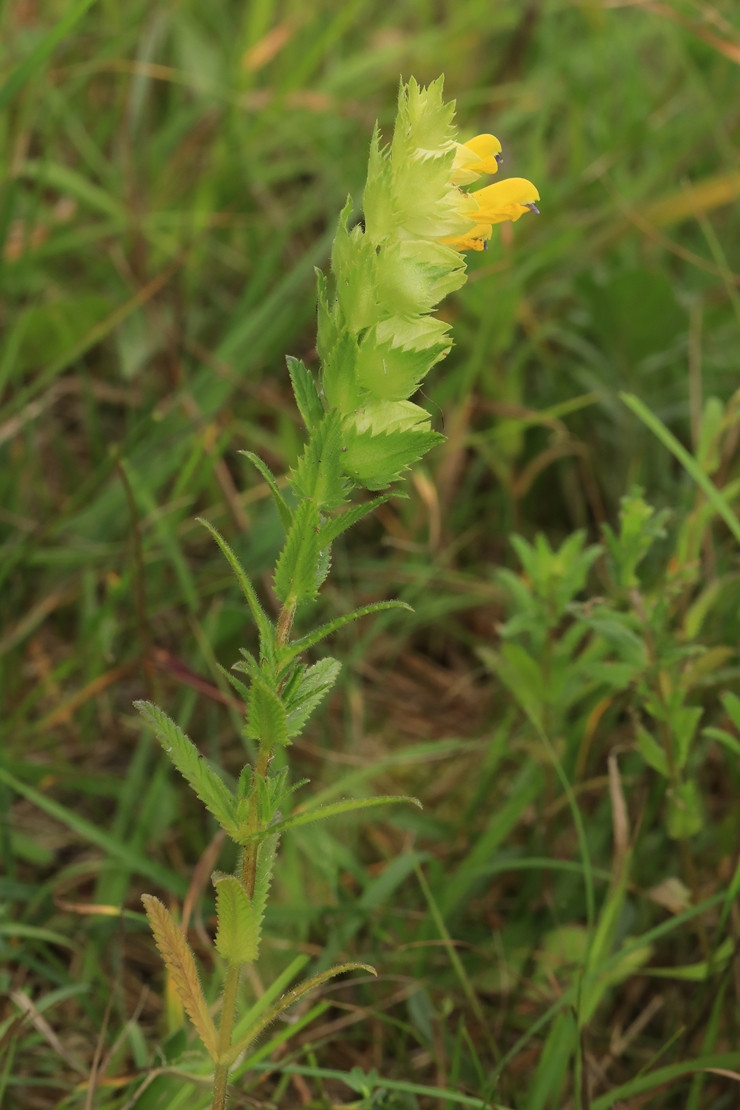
172, 174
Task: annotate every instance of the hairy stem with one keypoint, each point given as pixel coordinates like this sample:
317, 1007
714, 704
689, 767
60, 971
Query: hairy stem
225, 1032
248, 878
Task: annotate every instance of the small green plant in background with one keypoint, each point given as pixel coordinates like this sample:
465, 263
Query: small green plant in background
377, 340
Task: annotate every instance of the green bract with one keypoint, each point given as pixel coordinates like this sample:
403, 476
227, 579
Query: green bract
376, 338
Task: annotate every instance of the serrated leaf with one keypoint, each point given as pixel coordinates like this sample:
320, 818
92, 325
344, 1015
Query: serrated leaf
336, 809
353, 262
264, 626
318, 473
241, 687
390, 371
180, 963
326, 323
323, 564
236, 936
202, 778
296, 570
266, 717
414, 275
296, 647
266, 853
280, 503
247, 664
375, 460
289, 999
313, 687
377, 200
333, 528
239, 917
338, 375
305, 392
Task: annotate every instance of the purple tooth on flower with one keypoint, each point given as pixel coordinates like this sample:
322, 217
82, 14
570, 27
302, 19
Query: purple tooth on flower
533, 208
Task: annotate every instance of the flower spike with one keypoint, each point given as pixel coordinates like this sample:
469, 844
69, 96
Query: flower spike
377, 337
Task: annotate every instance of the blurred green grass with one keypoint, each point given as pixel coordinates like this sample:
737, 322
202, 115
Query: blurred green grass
172, 175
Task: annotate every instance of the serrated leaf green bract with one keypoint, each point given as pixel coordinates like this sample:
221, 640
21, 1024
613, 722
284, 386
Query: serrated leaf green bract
354, 263
413, 275
392, 371
318, 473
384, 439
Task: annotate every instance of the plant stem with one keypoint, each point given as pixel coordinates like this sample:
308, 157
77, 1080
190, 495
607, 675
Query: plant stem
248, 878
226, 1029
285, 622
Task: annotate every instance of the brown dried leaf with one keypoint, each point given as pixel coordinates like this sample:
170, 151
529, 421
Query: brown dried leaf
180, 962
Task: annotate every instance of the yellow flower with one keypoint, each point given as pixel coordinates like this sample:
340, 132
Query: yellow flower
505, 200
481, 154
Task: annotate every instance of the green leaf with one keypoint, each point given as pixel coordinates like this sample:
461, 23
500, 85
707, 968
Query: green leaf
241, 687
206, 783
289, 999
685, 816
414, 275
377, 201
731, 705
652, 752
266, 853
306, 394
272, 795
297, 566
336, 809
708, 454
684, 722
338, 375
237, 935
522, 676
730, 742
264, 626
266, 717
312, 638
327, 333
333, 528
311, 688
376, 459
239, 918
716, 496
286, 516
353, 262
318, 473
701, 971
391, 371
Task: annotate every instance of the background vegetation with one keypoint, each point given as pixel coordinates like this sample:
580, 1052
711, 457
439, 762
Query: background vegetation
558, 927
